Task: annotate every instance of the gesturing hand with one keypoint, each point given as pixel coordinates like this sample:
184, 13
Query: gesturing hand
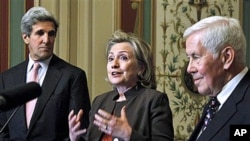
74, 125
115, 126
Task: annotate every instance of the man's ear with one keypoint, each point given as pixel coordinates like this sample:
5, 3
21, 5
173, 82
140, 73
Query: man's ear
228, 55
25, 38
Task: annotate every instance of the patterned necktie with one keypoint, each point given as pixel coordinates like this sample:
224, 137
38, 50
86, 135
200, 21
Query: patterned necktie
30, 106
212, 108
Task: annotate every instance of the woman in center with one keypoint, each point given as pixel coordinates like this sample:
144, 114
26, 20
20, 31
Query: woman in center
134, 110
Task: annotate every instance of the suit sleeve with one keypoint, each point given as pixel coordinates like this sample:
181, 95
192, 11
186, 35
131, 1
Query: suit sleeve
80, 98
4, 134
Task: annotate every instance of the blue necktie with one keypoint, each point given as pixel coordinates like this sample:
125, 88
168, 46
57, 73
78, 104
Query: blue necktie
212, 108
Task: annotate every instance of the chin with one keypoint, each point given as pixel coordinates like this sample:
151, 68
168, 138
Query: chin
115, 83
202, 92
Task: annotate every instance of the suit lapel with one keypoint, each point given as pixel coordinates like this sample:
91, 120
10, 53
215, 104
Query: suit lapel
198, 127
228, 109
225, 113
52, 77
18, 75
109, 107
111, 104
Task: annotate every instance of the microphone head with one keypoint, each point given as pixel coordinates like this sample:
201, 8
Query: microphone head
18, 95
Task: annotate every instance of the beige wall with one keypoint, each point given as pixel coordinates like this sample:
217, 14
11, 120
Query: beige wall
85, 26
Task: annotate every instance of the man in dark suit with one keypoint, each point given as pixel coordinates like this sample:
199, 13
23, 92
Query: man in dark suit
64, 86
216, 48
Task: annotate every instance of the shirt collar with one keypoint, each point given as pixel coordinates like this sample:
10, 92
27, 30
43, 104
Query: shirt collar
230, 86
43, 63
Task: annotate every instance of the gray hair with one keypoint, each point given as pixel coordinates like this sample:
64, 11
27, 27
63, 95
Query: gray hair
34, 15
143, 53
218, 32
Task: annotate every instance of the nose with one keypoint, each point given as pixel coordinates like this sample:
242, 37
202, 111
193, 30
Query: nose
45, 38
190, 67
115, 64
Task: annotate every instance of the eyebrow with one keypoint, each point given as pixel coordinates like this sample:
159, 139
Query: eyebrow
52, 30
110, 52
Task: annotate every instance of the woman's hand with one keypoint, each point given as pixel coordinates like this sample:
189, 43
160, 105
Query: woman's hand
74, 125
115, 126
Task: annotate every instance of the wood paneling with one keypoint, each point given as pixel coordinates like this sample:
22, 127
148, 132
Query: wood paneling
4, 36
28, 5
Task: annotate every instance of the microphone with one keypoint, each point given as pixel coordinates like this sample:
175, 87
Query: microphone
18, 95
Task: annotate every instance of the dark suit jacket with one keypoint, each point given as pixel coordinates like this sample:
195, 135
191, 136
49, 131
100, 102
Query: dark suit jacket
147, 110
64, 88
236, 110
